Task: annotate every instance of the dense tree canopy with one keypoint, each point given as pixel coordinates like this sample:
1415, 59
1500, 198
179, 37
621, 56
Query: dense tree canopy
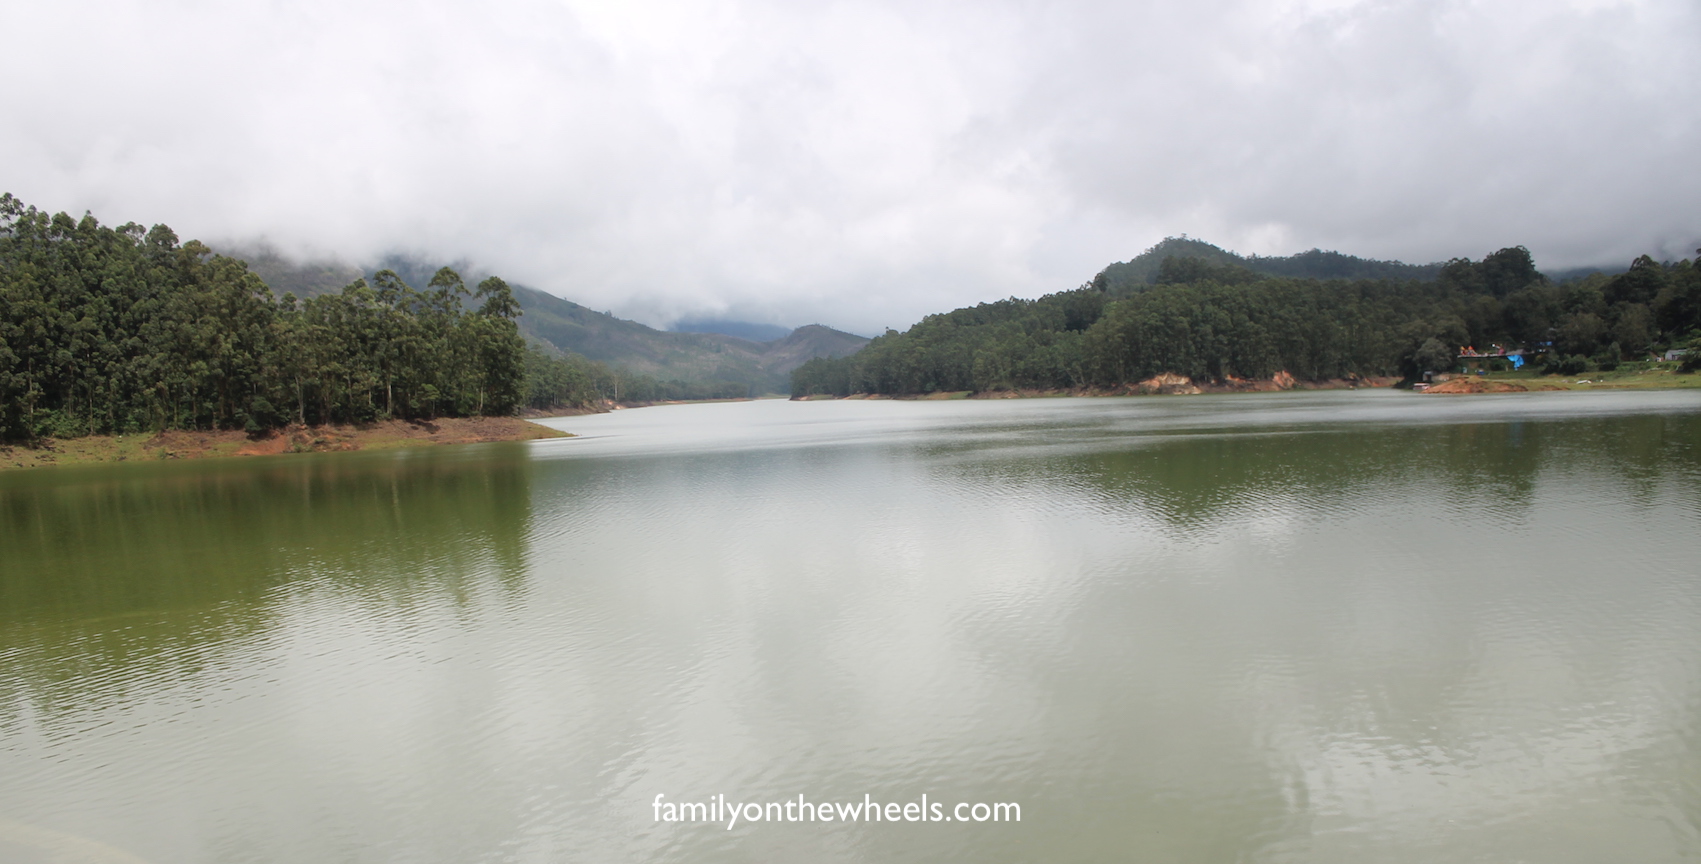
123, 329
1216, 318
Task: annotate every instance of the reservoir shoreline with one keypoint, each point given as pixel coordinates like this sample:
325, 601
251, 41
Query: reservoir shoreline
1169, 384
394, 434
201, 444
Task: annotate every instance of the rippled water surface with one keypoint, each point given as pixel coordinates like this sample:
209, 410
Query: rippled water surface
1333, 627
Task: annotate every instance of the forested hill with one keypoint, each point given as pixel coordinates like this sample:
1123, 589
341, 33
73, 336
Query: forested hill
680, 364
1216, 318
126, 329
1126, 277
754, 367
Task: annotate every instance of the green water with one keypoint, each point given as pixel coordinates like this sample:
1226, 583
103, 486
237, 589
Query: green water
1333, 627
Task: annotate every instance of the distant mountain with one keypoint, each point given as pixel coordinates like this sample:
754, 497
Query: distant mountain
742, 329
285, 275
1127, 277
764, 366
805, 344
562, 325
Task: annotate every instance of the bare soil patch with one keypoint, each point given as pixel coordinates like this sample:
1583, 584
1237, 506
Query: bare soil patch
196, 444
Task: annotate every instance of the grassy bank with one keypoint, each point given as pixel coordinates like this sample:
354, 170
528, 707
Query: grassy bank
177, 444
1659, 378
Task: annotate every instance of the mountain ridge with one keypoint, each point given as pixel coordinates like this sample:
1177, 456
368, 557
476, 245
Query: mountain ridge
563, 326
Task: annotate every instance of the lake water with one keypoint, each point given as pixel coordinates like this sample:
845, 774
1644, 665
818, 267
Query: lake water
1297, 627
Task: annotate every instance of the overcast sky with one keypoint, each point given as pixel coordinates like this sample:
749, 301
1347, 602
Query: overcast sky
861, 164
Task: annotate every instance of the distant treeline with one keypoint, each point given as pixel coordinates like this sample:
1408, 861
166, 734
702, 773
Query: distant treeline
115, 330
1216, 320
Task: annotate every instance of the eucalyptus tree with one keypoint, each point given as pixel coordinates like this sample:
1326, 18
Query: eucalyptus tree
126, 329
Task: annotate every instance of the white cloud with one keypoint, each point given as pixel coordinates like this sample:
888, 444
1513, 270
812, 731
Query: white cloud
862, 163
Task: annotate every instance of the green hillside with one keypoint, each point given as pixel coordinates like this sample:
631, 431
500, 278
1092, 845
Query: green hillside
706, 357
671, 355
1128, 277
731, 364
1215, 318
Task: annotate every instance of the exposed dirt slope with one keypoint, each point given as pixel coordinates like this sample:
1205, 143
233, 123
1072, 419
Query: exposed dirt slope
1478, 385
